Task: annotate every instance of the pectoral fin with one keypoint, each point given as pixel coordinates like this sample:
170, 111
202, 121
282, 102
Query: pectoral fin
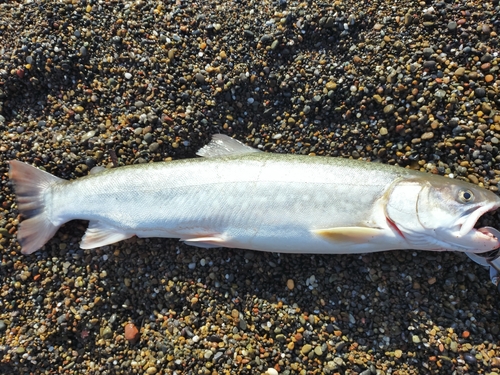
99, 234
349, 234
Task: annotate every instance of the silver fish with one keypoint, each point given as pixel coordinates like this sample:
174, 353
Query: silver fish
236, 196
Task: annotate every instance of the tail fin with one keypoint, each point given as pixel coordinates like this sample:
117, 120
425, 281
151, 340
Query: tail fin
30, 185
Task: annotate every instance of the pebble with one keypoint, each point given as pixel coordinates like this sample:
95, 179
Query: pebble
306, 349
132, 334
427, 135
389, 109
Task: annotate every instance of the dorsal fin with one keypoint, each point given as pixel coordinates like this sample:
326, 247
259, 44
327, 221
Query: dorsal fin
222, 145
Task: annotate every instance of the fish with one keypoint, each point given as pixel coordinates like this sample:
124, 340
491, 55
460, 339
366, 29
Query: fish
237, 196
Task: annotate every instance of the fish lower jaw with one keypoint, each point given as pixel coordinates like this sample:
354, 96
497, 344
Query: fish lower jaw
485, 239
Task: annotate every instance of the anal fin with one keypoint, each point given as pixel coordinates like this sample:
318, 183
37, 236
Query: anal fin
207, 241
100, 234
349, 235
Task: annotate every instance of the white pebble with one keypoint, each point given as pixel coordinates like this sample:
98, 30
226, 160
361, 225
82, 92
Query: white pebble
271, 371
128, 75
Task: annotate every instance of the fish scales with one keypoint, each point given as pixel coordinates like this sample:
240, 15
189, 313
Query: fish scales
244, 190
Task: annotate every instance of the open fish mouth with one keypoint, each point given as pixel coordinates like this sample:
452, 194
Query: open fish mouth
472, 222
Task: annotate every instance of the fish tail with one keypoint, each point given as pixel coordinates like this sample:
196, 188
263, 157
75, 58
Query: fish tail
30, 185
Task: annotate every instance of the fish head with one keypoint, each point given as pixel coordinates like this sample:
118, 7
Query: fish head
442, 214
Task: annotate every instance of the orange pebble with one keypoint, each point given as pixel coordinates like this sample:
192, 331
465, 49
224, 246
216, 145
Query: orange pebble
131, 333
465, 334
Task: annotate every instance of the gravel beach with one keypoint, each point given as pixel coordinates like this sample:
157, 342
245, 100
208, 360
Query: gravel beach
110, 83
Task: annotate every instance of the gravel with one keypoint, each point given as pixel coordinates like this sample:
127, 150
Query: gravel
109, 83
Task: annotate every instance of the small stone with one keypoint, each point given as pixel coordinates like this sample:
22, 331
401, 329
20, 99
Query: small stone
127, 75
271, 371
398, 353
495, 362
473, 179
428, 52
383, 131
415, 339
330, 85
378, 98
459, 72
79, 109
440, 94
452, 26
290, 284
486, 66
488, 78
429, 64
2, 326
408, 19
153, 147
470, 359
200, 78
486, 108
479, 92
107, 333
243, 324
427, 136
151, 370
389, 109
318, 351
306, 349
131, 333
454, 346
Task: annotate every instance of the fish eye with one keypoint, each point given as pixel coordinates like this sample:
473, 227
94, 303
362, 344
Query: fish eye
466, 196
